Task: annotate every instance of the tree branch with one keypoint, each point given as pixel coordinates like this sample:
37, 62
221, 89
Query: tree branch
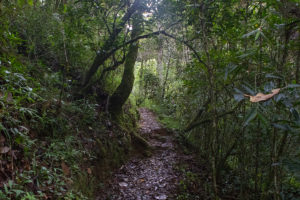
188, 45
104, 53
111, 68
192, 126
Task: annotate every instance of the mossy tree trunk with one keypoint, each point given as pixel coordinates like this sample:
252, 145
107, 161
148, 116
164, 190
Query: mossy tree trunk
119, 97
107, 51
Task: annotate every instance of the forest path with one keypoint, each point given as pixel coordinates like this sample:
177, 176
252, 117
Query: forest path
151, 177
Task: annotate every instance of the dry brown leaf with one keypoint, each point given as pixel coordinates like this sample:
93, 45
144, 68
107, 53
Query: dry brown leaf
89, 171
4, 150
123, 184
262, 97
141, 180
65, 169
2, 139
27, 167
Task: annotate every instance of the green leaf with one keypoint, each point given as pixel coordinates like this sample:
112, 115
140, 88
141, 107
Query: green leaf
263, 119
103, 5
250, 53
21, 2
65, 8
278, 97
238, 97
30, 2
19, 140
250, 91
230, 68
292, 86
273, 76
250, 33
18, 192
251, 115
264, 36
293, 165
295, 114
257, 35
284, 127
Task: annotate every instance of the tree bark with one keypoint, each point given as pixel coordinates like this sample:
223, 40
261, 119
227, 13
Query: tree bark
298, 62
105, 51
123, 91
166, 79
160, 58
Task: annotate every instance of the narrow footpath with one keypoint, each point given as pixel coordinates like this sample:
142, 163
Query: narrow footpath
151, 177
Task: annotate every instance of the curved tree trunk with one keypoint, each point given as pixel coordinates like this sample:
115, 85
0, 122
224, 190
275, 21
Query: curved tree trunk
106, 50
123, 91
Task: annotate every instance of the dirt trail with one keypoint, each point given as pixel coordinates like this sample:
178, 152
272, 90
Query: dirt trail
152, 177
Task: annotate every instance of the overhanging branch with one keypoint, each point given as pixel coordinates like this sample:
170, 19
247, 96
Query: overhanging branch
188, 45
163, 32
103, 55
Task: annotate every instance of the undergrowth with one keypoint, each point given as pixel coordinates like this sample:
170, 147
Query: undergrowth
53, 147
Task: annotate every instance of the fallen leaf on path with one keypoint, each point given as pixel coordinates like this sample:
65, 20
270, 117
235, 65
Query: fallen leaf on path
141, 180
262, 97
163, 185
161, 197
123, 184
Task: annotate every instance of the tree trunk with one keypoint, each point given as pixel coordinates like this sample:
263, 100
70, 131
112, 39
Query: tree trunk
166, 79
160, 63
105, 51
122, 93
298, 62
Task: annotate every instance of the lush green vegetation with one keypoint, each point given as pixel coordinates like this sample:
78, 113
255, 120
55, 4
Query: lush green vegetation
73, 73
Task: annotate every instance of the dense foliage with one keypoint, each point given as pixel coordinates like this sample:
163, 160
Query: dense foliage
67, 70
240, 48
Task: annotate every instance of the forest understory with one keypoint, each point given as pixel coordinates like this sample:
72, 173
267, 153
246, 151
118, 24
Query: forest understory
150, 99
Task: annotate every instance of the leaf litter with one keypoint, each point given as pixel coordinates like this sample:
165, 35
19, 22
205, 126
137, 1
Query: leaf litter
153, 177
